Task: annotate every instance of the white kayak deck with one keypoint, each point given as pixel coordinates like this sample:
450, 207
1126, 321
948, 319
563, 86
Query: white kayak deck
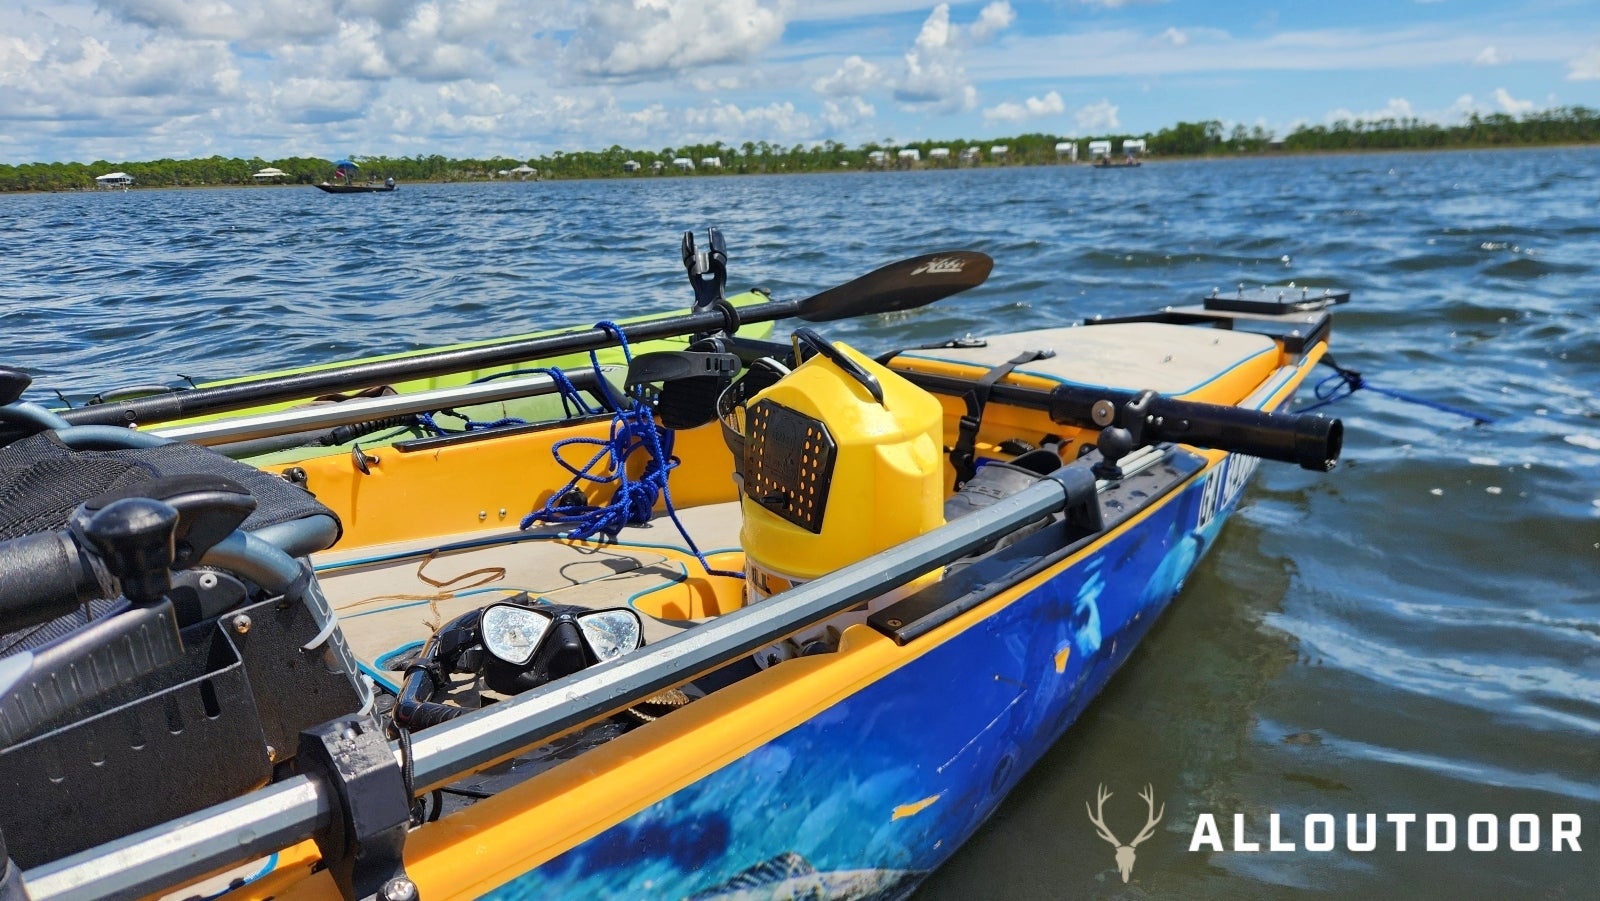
1172, 359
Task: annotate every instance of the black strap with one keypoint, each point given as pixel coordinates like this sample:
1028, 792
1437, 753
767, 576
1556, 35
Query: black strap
964, 455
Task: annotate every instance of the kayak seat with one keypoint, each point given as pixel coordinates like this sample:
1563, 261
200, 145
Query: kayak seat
44, 477
157, 709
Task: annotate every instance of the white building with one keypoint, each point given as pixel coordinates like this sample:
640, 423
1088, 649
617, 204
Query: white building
1068, 150
114, 180
939, 154
684, 163
630, 166
998, 152
1133, 147
971, 156
711, 162
909, 157
878, 158
1098, 149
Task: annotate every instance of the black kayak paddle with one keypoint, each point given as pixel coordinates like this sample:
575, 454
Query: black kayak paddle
905, 285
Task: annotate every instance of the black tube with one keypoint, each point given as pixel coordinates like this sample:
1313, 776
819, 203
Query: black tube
1312, 442
42, 577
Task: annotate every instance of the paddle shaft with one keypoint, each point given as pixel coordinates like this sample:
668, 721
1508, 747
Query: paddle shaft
224, 398
904, 285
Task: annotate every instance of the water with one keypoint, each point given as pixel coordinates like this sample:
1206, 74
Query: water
1418, 632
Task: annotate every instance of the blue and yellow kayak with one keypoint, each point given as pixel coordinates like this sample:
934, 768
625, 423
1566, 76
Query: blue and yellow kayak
799, 644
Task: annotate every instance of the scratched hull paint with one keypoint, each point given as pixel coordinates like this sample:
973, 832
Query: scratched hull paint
868, 798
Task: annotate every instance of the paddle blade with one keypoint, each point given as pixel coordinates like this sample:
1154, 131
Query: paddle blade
905, 285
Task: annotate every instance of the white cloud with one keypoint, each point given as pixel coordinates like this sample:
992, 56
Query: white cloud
1511, 104
1585, 67
1032, 108
727, 122
934, 78
1489, 56
1175, 37
1097, 116
854, 77
844, 115
1396, 108
634, 39
993, 19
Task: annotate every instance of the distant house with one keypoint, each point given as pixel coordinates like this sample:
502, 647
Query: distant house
114, 180
939, 155
998, 152
908, 158
524, 171
1067, 149
711, 162
971, 156
1133, 147
878, 158
684, 163
632, 165
269, 174
1098, 149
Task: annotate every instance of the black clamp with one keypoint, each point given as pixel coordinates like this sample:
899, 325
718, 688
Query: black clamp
708, 269
364, 844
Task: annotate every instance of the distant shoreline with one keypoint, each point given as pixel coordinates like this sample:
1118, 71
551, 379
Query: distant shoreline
923, 166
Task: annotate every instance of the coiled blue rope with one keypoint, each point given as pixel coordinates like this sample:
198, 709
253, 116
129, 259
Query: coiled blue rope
1345, 382
633, 500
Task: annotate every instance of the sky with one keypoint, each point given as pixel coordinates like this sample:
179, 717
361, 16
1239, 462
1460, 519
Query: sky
134, 80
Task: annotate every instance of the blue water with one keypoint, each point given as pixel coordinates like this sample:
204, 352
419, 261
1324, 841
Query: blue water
1418, 631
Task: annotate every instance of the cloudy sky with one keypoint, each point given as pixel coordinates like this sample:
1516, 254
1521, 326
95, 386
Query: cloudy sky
143, 79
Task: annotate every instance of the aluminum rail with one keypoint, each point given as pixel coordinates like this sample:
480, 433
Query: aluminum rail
267, 821
146, 862
300, 419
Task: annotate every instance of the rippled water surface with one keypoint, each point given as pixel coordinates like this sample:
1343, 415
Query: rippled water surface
1417, 632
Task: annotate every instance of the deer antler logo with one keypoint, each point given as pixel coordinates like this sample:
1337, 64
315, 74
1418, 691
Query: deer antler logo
1125, 852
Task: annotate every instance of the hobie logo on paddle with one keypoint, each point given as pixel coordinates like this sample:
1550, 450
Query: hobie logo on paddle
939, 265
1125, 852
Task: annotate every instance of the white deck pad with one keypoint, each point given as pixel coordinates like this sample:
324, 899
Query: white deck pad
1172, 359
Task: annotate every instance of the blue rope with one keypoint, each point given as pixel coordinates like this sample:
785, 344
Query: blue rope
571, 398
633, 501
1345, 382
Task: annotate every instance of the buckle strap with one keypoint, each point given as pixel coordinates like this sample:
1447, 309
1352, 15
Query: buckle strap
963, 457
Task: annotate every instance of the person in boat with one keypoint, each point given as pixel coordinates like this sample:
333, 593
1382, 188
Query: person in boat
389, 182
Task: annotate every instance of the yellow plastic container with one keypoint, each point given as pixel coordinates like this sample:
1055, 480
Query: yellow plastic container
832, 476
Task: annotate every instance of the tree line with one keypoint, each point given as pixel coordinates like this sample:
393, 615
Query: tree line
1560, 125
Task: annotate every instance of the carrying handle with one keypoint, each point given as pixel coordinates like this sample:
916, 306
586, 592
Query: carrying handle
851, 368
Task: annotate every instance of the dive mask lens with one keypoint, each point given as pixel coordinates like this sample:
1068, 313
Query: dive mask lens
611, 633
512, 633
